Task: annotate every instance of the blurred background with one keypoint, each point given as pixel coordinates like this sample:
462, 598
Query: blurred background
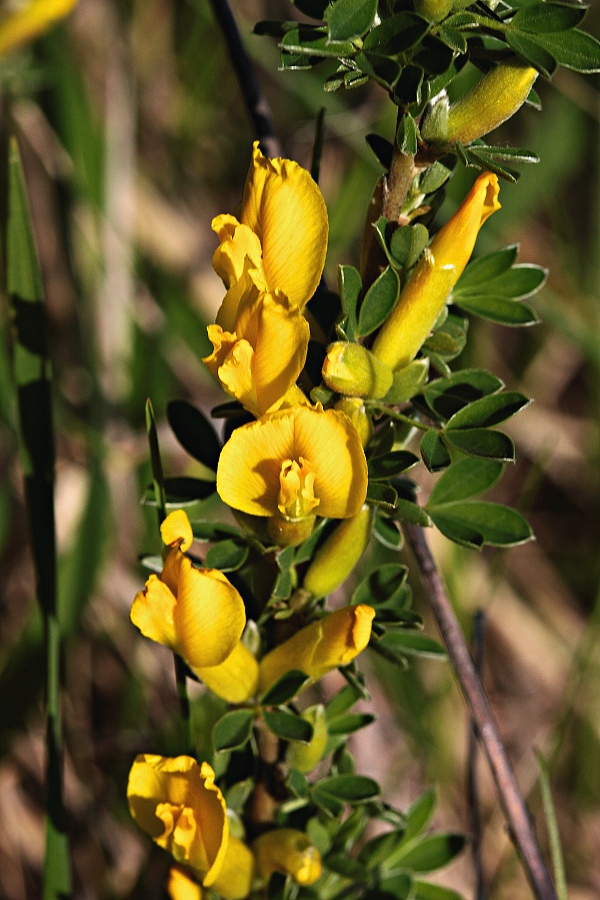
134, 136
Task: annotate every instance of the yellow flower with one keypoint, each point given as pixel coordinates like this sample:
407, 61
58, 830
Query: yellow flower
259, 362
199, 615
280, 240
178, 804
292, 465
290, 852
434, 276
321, 646
28, 19
233, 882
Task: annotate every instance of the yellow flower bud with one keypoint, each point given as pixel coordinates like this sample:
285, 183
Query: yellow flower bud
290, 852
493, 100
337, 557
305, 757
434, 10
434, 276
323, 645
351, 369
354, 408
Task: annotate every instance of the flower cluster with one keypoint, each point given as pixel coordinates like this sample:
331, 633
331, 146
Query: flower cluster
299, 461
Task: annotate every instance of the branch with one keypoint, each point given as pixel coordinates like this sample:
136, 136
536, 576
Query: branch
516, 813
472, 786
251, 91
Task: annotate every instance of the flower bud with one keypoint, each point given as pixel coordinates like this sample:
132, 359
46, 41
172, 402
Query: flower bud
335, 560
493, 100
434, 276
290, 852
351, 369
305, 757
434, 10
354, 408
434, 127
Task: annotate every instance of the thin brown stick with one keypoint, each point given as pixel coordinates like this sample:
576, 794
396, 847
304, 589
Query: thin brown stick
520, 826
248, 83
472, 766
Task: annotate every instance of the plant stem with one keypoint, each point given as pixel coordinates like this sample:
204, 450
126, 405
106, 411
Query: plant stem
189, 742
472, 786
520, 825
251, 91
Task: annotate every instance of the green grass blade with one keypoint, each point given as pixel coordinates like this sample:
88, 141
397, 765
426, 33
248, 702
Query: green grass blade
558, 866
36, 436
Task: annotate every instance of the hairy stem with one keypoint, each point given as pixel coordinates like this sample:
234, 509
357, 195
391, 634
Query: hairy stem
521, 829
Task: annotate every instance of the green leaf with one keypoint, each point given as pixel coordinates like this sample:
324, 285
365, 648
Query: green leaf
208, 531
233, 730
382, 585
488, 411
446, 396
344, 865
497, 309
407, 135
180, 491
378, 303
350, 288
443, 343
350, 789
418, 816
349, 19
423, 890
532, 52
228, 556
485, 268
394, 463
396, 34
465, 479
519, 281
412, 643
407, 243
483, 443
475, 522
285, 688
406, 511
381, 148
407, 382
399, 886
387, 533
314, 9
288, 726
312, 40
431, 852
194, 432
434, 451
341, 701
432, 180
572, 49
349, 723
382, 495
546, 17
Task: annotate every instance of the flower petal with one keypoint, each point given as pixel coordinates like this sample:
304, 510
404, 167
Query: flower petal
177, 803
250, 463
454, 242
235, 679
283, 205
330, 443
176, 530
209, 615
180, 886
153, 612
235, 879
34, 17
238, 243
